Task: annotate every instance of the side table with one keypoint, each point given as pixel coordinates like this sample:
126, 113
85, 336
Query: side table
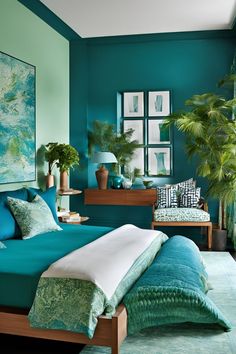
82, 219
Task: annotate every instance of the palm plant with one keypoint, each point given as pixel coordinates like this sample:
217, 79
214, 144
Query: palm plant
104, 136
211, 136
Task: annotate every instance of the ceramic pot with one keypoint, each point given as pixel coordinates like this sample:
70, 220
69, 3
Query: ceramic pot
219, 240
49, 180
117, 182
102, 177
64, 181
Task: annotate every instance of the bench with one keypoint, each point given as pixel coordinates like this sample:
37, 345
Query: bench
185, 221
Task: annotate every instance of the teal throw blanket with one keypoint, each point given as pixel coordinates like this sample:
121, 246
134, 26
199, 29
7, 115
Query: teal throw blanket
173, 290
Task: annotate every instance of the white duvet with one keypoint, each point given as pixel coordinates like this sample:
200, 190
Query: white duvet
106, 260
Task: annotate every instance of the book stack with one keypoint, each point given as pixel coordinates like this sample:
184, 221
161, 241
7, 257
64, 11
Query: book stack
71, 217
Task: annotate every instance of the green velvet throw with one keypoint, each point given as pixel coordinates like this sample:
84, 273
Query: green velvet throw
173, 290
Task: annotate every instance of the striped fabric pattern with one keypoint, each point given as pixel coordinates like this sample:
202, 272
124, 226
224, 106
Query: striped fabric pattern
167, 197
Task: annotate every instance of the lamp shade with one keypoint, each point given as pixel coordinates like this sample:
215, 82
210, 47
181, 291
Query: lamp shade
104, 157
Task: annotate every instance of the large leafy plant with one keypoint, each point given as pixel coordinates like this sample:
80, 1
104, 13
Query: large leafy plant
103, 136
211, 136
63, 156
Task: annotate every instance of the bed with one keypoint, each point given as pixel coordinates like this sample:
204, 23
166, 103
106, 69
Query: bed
23, 262
40, 252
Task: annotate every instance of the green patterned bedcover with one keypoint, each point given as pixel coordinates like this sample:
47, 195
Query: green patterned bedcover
74, 304
173, 290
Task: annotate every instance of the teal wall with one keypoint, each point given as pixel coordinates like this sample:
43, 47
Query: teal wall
25, 36
186, 64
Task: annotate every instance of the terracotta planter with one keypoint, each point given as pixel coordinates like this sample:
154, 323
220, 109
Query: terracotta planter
64, 181
219, 240
49, 180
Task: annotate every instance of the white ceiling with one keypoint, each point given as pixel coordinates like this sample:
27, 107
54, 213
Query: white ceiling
99, 18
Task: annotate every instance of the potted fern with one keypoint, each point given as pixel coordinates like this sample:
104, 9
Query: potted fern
104, 137
211, 137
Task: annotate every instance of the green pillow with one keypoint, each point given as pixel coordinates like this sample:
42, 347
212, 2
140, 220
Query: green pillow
34, 217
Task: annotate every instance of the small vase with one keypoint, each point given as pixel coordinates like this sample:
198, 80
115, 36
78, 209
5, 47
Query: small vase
64, 181
49, 180
117, 182
102, 177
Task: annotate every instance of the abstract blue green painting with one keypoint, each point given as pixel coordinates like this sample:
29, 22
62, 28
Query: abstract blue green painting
17, 120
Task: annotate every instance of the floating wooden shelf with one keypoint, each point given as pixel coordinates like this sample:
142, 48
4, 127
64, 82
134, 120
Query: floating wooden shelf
135, 197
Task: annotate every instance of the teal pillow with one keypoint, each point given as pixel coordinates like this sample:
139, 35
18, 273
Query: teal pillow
34, 217
2, 246
9, 228
49, 196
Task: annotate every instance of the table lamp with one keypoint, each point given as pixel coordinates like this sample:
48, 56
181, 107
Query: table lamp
103, 157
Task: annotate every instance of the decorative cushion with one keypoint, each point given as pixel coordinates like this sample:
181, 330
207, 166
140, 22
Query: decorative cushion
189, 197
34, 217
49, 196
189, 183
167, 197
9, 228
181, 214
2, 246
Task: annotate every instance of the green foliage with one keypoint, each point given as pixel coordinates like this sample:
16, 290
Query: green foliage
211, 136
64, 156
104, 137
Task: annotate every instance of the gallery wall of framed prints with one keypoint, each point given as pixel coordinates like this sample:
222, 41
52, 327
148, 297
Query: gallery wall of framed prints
145, 112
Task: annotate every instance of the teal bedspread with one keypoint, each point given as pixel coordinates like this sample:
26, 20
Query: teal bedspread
173, 290
23, 261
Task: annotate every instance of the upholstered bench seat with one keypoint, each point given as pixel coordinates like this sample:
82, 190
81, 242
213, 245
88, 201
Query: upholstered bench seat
193, 217
181, 214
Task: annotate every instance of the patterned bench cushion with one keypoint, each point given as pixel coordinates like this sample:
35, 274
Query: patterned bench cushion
181, 214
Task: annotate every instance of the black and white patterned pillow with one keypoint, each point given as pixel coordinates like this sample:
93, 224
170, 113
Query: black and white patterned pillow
189, 197
189, 183
167, 197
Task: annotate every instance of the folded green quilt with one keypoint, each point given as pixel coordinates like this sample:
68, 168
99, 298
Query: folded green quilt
172, 290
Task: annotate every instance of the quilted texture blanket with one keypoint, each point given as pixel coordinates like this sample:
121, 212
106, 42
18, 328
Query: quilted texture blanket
173, 290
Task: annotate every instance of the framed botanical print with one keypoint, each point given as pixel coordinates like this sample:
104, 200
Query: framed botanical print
158, 132
133, 104
158, 103
137, 126
159, 161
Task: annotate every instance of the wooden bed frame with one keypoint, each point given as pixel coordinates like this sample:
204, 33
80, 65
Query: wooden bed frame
109, 332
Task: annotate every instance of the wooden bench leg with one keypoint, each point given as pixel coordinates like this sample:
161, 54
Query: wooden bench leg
209, 236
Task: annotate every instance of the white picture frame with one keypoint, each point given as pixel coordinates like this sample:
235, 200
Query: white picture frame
137, 126
137, 160
157, 132
133, 104
159, 161
158, 103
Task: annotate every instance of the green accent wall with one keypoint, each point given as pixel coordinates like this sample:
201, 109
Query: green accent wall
27, 37
186, 64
